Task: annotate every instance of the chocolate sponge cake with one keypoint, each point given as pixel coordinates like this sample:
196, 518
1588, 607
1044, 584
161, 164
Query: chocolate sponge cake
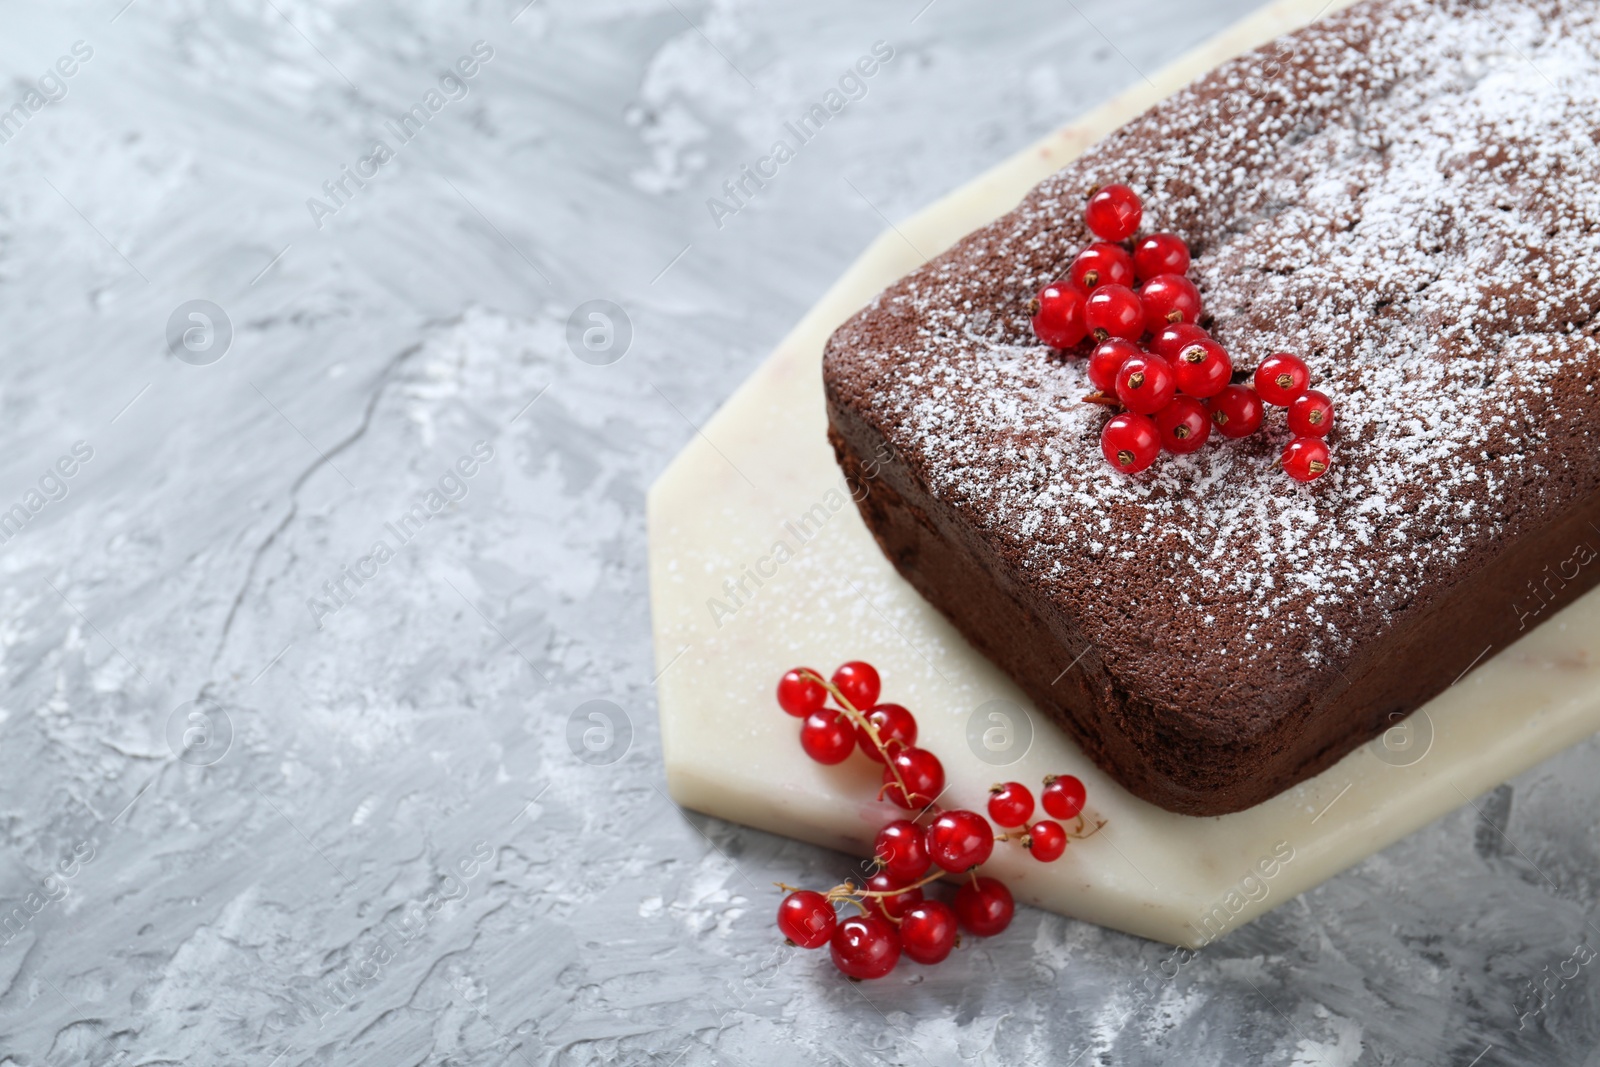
1405, 194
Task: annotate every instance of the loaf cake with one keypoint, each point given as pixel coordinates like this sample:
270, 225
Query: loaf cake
1404, 194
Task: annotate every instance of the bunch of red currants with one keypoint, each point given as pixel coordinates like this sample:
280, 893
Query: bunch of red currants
895, 916
1172, 380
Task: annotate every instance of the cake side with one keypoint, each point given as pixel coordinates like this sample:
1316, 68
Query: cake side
1409, 211
1157, 755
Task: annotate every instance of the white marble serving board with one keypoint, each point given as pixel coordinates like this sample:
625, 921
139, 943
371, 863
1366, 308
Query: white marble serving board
732, 611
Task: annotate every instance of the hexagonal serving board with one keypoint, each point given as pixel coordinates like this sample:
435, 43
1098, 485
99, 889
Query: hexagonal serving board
759, 562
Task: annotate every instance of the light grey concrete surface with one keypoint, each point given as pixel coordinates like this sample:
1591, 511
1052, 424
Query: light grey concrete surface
271, 796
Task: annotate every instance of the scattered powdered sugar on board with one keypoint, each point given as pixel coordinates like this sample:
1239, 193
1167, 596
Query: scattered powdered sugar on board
1405, 196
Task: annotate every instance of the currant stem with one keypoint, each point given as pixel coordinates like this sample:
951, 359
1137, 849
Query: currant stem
889, 892
863, 723
850, 892
1078, 830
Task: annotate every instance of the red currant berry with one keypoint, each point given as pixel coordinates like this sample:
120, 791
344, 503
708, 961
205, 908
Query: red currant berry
923, 774
1306, 459
1281, 378
1046, 840
1236, 411
807, 919
1102, 264
1169, 299
1145, 384
859, 683
896, 729
1114, 213
1184, 425
984, 907
1160, 253
1114, 311
827, 736
890, 907
902, 849
1063, 796
1311, 415
1108, 358
799, 692
928, 932
1010, 804
1172, 339
1202, 369
1058, 316
1130, 443
960, 840
865, 946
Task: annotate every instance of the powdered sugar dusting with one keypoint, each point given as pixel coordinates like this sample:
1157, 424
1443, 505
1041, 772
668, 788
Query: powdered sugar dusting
1405, 196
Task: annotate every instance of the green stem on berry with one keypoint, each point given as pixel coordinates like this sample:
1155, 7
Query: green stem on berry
862, 722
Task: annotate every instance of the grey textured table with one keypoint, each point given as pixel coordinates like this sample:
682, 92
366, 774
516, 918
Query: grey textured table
289, 660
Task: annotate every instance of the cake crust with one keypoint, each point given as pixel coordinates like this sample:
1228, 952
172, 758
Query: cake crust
1404, 195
